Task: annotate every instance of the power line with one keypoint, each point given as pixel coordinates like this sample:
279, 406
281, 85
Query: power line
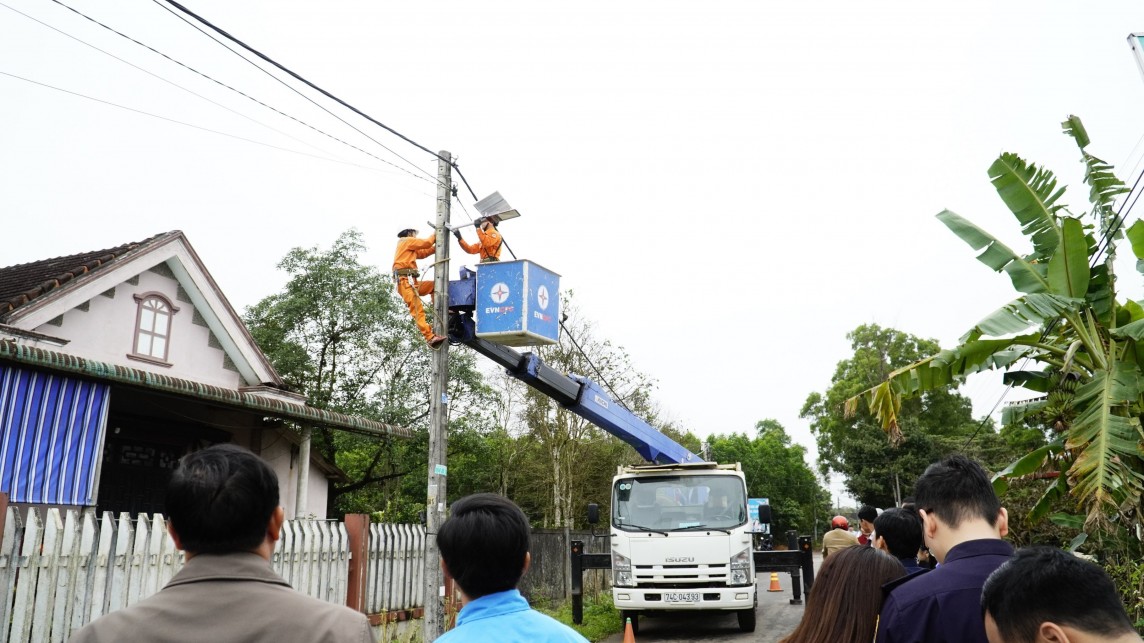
177, 122
206, 76
325, 93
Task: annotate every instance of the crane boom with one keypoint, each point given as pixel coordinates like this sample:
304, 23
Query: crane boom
576, 393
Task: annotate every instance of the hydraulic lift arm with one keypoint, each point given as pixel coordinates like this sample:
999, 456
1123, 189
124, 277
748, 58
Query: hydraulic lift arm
576, 393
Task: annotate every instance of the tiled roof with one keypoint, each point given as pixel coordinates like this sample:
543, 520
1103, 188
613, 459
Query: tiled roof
24, 282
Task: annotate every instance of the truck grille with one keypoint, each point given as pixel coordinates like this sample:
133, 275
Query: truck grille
680, 576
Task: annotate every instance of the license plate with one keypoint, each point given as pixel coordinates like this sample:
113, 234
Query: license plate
681, 597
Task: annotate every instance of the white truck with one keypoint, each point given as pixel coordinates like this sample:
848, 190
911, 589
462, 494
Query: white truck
680, 541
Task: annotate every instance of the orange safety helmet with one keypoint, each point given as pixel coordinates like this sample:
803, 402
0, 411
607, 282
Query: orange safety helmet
839, 522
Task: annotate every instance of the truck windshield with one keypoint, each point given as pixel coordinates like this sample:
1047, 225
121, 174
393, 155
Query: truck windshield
670, 502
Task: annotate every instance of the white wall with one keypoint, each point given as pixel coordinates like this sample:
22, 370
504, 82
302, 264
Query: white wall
106, 332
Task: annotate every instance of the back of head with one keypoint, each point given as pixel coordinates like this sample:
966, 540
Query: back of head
957, 489
484, 543
1045, 584
901, 527
847, 596
408, 232
839, 522
220, 500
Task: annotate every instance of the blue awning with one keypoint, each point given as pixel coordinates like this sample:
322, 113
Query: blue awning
51, 433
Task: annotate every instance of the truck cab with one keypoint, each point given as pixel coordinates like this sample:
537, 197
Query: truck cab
680, 541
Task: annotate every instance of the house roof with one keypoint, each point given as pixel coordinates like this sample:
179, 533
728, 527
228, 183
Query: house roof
31, 294
10, 351
24, 282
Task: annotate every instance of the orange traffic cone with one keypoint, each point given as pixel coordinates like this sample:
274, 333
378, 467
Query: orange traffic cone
775, 587
629, 635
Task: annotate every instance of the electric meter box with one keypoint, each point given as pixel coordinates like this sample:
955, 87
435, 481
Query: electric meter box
517, 303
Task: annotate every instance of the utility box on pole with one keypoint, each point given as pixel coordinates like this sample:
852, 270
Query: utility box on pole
517, 303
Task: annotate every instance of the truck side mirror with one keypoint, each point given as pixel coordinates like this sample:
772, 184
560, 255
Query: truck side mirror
764, 513
593, 513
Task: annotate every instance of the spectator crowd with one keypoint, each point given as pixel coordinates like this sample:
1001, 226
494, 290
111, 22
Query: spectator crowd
938, 570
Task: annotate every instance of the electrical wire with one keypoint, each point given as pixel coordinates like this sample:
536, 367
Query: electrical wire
325, 93
296, 76
206, 76
178, 122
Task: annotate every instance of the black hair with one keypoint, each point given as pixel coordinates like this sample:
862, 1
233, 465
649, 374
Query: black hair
901, 527
957, 489
220, 500
408, 232
1045, 584
484, 543
867, 513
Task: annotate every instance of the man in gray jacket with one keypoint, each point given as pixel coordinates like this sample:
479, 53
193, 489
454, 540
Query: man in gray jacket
222, 509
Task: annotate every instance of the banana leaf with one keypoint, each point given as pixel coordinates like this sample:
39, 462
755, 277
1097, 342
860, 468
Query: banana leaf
1068, 269
1105, 438
1026, 277
1024, 466
1031, 194
1022, 313
1018, 411
1056, 491
941, 370
1136, 238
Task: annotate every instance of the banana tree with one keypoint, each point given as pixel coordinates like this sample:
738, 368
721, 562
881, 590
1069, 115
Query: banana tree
1065, 336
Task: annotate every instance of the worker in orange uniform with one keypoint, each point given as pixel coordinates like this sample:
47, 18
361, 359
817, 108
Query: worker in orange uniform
490, 240
410, 248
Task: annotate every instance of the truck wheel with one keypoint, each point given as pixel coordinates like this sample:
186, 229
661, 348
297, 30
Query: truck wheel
635, 616
746, 620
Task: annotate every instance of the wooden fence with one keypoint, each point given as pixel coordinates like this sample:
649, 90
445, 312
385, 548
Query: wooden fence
59, 572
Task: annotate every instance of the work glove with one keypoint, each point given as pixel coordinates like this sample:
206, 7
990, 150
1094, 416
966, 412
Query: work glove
457, 233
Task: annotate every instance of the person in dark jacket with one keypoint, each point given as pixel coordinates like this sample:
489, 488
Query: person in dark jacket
963, 523
898, 532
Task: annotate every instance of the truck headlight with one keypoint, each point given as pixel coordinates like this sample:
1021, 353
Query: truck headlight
621, 571
740, 567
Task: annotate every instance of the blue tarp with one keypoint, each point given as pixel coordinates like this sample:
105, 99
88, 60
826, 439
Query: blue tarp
51, 432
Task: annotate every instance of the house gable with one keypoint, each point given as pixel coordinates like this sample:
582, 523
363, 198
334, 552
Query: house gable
95, 313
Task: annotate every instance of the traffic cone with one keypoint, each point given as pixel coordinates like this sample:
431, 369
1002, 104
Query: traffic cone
629, 635
775, 587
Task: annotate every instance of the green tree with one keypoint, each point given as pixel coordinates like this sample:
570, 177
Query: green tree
1075, 343
775, 469
879, 472
339, 334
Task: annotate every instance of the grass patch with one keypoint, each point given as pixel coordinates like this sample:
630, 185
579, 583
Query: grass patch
601, 618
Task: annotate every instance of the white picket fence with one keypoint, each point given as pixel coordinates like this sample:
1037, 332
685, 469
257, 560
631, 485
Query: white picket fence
60, 572
396, 570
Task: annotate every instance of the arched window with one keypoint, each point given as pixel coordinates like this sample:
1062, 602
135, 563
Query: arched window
153, 327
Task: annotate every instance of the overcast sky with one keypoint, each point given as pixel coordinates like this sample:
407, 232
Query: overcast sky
729, 187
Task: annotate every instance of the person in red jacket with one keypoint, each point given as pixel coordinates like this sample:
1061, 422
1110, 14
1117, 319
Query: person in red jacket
490, 240
410, 248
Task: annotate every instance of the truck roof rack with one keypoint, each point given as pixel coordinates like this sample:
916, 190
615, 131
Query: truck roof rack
689, 466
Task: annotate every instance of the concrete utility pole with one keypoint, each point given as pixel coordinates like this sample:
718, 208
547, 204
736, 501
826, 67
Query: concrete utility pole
434, 624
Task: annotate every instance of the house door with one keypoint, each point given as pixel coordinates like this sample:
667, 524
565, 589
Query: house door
135, 474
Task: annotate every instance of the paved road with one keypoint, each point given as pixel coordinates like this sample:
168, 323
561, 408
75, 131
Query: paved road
776, 618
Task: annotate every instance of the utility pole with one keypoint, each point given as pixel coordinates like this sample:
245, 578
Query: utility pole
434, 625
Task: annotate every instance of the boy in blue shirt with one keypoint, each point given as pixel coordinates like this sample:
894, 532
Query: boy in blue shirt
484, 548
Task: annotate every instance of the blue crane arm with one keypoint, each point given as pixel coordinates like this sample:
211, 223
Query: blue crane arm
576, 393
